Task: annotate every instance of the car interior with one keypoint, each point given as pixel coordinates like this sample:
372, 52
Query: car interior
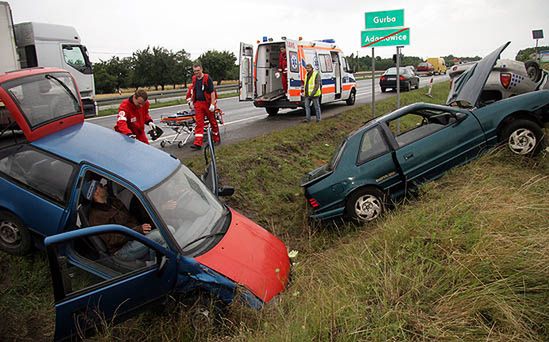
93, 249
417, 125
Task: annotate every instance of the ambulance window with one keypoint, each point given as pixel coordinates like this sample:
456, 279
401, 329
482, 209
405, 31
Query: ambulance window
325, 63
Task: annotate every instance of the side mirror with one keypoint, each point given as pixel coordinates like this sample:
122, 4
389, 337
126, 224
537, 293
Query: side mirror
226, 191
460, 116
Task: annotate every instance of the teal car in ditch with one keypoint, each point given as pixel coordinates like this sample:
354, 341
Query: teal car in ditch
381, 161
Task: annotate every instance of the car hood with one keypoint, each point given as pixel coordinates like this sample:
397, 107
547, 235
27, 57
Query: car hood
250, 256
467, 87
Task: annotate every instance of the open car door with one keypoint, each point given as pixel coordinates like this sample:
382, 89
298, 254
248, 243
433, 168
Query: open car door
41, 101
246, 62
92, 288
294, 78
210, 177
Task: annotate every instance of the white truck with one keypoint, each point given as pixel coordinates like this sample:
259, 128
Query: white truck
30, 44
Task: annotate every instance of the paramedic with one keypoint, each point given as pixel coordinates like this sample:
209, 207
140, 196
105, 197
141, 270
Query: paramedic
202, 97
312, 93
282, 65
133, 115
110, 210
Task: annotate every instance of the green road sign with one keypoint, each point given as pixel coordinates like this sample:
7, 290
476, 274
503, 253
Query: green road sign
383, 19
386, 37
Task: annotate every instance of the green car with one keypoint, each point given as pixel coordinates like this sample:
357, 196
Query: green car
394, 153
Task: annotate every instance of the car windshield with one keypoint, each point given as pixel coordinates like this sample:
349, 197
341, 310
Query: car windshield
189, 209
337, 155
44, 98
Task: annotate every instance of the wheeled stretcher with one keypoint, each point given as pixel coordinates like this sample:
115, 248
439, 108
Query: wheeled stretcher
184, 122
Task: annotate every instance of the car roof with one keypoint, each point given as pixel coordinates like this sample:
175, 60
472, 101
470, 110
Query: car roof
11, 75
130, 159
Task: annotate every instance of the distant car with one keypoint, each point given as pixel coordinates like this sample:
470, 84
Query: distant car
425, 68
392, 154
508, 78
210, 249
408, 79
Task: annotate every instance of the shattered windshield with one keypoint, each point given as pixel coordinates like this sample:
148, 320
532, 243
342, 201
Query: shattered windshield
188, 208
44, 98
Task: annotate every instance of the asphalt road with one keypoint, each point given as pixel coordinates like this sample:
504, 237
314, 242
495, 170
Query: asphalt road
244, 121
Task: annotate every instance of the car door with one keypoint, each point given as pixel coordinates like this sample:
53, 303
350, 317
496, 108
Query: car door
38, 184
432, 147
246, 63
91, 290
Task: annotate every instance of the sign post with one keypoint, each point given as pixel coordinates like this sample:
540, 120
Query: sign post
385, 28
537, 35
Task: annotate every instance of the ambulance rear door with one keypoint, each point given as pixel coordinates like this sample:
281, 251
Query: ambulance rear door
246, 62
294, 79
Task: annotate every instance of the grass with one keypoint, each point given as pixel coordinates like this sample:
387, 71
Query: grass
466, 260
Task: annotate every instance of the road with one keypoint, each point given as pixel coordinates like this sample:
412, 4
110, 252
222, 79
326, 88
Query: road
244, 121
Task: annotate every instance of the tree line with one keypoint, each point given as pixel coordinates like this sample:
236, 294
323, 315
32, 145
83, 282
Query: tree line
158, 67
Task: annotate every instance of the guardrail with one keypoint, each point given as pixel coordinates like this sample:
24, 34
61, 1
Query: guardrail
164, 94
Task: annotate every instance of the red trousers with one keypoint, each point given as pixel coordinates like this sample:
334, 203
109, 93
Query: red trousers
202, 111
285, 81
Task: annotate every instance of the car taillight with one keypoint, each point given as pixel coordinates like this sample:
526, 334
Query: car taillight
402, 78
313, 203
382, 78
505, 79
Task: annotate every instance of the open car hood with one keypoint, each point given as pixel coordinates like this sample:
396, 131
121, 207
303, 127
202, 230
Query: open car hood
250, 256
467, 87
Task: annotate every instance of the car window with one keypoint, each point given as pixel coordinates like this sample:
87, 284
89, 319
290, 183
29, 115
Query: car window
417, 125
372, 145
88, 264
40, 171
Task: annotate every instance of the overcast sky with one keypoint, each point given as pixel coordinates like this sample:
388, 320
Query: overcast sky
437, 27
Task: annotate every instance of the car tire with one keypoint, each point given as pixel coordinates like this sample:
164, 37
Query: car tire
533, 70
365, 205
352, 98
272, 111
523, 137
15, 238
383, 90
408, 86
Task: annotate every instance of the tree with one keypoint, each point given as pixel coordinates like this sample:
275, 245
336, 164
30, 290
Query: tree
529, 53
182, 70
105, 83
143, 68
219, 65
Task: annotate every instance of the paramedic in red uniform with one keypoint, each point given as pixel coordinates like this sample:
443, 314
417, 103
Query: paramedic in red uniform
133, 115
201, 97
282, 66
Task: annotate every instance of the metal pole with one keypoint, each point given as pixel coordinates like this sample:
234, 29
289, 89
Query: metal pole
398, 85
373, 84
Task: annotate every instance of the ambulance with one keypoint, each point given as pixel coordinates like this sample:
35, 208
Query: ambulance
261, 83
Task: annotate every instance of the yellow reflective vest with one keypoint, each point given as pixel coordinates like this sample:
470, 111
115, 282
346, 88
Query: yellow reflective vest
311, 84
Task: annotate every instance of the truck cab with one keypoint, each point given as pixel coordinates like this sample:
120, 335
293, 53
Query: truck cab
261, 82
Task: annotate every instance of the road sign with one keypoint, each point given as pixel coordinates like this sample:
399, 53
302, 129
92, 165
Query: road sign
537, 34
381, 19
386, 37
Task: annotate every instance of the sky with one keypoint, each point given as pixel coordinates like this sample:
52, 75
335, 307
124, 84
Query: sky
437, 27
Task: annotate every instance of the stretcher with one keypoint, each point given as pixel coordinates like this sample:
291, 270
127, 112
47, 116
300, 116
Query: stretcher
184, 122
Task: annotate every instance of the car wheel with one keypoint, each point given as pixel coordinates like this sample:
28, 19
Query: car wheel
383, 90
366, 205
523, 137
352, 98
533, 70
272, 110
15, 238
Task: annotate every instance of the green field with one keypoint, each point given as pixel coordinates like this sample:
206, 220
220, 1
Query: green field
464, 260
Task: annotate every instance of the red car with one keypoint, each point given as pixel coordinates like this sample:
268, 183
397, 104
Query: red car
425, 69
